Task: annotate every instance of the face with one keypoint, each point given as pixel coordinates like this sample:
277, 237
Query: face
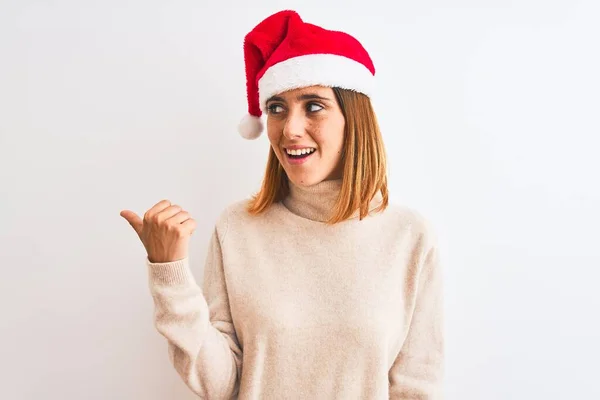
306, 130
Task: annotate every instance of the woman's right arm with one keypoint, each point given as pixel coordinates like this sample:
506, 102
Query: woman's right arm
202, 342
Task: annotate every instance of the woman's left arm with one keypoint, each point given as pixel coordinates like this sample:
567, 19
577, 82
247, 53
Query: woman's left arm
418, 370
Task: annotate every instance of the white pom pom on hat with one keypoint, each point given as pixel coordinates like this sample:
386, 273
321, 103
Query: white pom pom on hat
283, 52
250, 127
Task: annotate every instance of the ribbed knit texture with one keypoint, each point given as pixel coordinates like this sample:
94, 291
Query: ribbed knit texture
293, 308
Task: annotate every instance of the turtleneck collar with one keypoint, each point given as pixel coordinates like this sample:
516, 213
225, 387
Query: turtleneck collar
316, 202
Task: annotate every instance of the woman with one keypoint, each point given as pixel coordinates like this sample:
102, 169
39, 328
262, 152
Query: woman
316, 288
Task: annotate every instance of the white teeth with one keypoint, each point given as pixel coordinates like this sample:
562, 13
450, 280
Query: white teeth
300, 151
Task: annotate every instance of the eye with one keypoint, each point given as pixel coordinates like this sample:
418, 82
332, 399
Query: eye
272, 108
320, 107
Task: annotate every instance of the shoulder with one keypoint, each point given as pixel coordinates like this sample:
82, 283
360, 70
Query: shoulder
418, 234
412, 219
235, 210
230, 214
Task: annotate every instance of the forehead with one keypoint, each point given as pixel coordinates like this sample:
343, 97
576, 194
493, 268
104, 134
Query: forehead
293, 94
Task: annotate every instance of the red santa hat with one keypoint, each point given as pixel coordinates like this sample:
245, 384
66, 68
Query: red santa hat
282, 52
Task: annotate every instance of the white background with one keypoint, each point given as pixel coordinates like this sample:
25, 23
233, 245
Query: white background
489, 111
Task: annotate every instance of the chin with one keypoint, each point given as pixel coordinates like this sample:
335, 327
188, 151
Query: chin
305, 179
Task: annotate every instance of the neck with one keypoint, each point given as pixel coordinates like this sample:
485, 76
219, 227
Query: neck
317, 202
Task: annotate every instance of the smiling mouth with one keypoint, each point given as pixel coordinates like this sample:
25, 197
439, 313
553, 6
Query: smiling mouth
299, 154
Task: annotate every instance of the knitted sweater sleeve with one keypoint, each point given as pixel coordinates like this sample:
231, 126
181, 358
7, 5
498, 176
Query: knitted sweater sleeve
417, 371
197, 323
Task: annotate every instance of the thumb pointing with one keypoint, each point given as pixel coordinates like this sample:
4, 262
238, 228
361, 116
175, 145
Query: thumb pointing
134, 220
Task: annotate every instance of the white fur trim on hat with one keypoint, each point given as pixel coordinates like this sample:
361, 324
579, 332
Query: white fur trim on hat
315, 69
250, 127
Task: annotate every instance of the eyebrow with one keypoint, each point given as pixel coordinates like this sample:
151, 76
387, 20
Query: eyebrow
306, 96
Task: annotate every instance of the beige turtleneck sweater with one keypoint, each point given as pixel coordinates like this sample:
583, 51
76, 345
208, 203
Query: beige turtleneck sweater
293, 308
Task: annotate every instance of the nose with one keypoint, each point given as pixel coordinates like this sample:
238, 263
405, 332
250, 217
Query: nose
295, 126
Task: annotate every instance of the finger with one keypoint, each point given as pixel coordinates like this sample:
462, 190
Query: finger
134, 220
155, 209
189, 225
168, 213
180, 217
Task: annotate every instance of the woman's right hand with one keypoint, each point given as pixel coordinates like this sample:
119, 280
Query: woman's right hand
165, 231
